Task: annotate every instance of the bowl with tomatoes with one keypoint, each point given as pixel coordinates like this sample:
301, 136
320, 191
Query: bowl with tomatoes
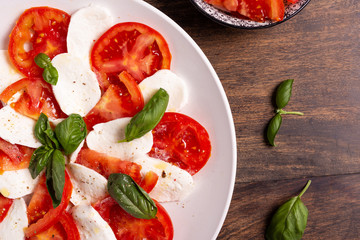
250, 14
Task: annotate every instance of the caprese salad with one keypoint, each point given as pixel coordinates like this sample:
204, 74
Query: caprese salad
92, 140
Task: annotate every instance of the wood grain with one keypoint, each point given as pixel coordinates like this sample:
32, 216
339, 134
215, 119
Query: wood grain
320, 49
332, 202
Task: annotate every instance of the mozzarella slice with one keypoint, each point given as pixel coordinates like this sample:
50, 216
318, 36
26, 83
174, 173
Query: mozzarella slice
86, 26
175, 87
88, 185
105, 136
91, 225
18, 183
77, 89
9, 74
12, 226
174, 183
17, 129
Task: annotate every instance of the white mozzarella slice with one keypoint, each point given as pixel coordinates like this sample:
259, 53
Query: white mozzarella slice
74, 155
17, 129
12, 227
88, 185
9, 74
90, 224
174, 85
16, 184
77, 89
174, 183
105, 136
86, 26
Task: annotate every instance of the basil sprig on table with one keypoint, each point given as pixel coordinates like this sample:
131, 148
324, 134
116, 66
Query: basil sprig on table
130, 196
289, 221
283, 94
50, 74
67, 137
145, 120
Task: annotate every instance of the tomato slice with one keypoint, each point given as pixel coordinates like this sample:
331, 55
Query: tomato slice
5, 204
149, 181
50, 217
118, 101
182, 141
37, 97
106, 165
132, 47
38, 30
128, 227
69, 225
262, 10
55, 232
14, 157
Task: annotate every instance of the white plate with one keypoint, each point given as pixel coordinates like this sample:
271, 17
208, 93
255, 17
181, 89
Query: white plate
202, 214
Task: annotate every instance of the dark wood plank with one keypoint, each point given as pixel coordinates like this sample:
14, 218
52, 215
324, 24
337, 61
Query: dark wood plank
333, 204
320, 49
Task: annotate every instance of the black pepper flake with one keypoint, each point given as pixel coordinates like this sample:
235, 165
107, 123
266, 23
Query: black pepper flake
163, 174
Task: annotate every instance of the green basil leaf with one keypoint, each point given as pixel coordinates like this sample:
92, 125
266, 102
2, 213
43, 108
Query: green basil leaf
55, 177
50, 75
39, 159
41, 125
273, 128
131, 197
44, 132
145, 120
42, 60
289, 221
283, 93
71, 132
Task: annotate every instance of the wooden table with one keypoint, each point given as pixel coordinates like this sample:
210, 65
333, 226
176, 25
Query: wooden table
320, 49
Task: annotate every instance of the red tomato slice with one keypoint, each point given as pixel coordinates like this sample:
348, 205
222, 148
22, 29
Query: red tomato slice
55, 232
149, 181
262, 10
14, 157
37, 97
52, 216
38, 30
132, 47
5, 204
182, 141
118, 101
128, 227
106, 165
69, 225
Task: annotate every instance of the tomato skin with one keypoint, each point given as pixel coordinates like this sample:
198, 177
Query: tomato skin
132, 47
128, 227
118, 101
45, 29
149, 181
5, 204
69, 225
182, 141
37, 96
53, 215
14, 157
106, 165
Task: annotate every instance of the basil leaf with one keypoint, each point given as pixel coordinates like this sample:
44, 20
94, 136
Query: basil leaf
55, 177
41, 125
39, 160
145, 120
289, 221
71, 132
42, 60
273, 128
44, 132
130, 196
50, 75
283, 93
